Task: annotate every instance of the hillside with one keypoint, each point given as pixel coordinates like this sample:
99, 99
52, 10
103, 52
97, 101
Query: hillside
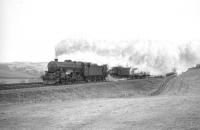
121, 88
142, 104
185, 84
14, 74
17, 72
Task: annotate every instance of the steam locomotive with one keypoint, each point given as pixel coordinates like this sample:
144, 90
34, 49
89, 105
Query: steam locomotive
68, 72
126, 72
120, 72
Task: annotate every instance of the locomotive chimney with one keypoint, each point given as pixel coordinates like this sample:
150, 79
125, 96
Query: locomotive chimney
56, 59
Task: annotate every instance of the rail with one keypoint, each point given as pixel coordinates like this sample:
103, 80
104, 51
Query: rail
163, 85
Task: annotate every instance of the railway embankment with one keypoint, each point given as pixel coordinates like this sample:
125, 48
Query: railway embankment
113, 89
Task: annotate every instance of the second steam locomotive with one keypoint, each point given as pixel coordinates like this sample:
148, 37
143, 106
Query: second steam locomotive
120, 72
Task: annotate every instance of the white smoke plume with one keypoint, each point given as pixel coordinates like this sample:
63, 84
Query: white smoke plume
156, 57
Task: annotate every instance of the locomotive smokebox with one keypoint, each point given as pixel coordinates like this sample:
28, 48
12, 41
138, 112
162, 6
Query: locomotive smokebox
52, 66
56, 59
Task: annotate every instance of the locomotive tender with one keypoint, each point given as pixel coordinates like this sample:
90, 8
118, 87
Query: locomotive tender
68, 72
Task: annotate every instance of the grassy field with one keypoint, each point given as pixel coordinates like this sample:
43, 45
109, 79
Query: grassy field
112, 105
122, 89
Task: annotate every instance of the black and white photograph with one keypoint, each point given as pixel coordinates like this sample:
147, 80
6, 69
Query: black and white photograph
99, 65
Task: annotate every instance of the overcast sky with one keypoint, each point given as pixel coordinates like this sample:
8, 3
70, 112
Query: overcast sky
30, 29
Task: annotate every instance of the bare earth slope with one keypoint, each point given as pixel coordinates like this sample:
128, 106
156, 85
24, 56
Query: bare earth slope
113, 105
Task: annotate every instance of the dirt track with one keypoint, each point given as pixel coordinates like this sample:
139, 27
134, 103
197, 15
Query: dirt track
117, 105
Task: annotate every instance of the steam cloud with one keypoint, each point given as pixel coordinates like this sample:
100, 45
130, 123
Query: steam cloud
156, 57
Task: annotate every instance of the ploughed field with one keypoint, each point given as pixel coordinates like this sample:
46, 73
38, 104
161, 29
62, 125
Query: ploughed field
171, 103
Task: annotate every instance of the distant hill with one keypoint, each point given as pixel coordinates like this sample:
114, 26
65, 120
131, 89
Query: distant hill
14, 74
21, 70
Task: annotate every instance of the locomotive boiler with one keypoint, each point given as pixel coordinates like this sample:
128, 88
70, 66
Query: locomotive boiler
68, 72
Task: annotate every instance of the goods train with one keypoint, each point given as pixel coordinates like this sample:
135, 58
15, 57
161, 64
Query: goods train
68, 72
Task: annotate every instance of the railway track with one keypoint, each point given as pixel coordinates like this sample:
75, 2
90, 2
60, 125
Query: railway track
21, 85
32, 85
163, 85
